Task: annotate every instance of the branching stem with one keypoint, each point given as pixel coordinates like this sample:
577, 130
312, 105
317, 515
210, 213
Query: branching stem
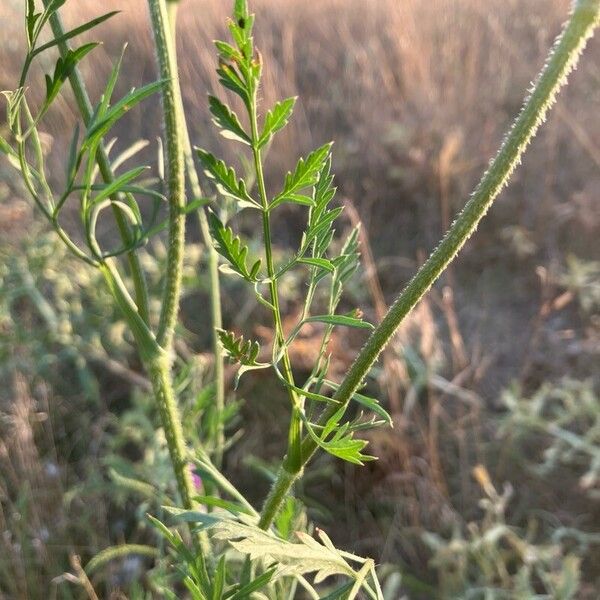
562, 59
85, 108
293, 460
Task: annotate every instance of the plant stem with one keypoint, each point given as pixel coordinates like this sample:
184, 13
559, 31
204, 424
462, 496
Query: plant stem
85, 108
293, 460
136, 313
561, 61
213, 274
159, 366
171, 97
159, 370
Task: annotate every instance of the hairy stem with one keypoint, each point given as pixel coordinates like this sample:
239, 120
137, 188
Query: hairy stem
293, 459
85, 108
159, 370
159, 366
174, 138
218, 433
562, 59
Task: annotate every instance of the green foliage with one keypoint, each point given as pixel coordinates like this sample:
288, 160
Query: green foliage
310, 184
565, 419
493, 560
275, 119
229, 550
306, 174
244, 352
230, 247
225, 178
225, 118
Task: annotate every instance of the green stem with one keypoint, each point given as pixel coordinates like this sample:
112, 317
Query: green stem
293, 460
171, 97
213, 277
159, 366
562, 59
85, 108
159, 370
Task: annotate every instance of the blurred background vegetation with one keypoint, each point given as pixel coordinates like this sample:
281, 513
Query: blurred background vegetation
488, 486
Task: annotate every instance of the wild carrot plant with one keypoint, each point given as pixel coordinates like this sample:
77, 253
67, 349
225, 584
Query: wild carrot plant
275, 554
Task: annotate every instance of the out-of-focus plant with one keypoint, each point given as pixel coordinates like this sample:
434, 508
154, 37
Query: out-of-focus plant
489, 559
279, 554
582, 277
564, 421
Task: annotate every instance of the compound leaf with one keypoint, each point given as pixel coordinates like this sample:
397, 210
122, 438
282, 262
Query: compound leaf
306, 174
225, 179
276, 119
228, 121
230, 247
244, 352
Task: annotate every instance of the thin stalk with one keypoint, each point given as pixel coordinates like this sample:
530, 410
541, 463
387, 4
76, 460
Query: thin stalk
159, 370
171, 97
562, 59
85, 108
213, 273
293, 461
159, 365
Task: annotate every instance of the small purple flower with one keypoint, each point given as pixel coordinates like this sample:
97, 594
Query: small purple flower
196, 479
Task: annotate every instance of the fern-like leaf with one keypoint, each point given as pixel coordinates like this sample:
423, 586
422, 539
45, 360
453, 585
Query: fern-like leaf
244, 352
225, 179
306, 174
230, 247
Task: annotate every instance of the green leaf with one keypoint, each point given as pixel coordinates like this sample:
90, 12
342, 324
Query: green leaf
117, 185
246, 591
239, 350
225, 179
340, 593
344, 320
31, 19
63, 68
228, 52
219, 580
319, 231
100, 126
110, 85
180, 515
74, 32
228, 245
369, 403
342, 444
346, 264
240, 9
244, 352
233, 507
276, 119
230, 78
291, 198
54, 5
72, 161
306, 174
225, 118
320, 263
